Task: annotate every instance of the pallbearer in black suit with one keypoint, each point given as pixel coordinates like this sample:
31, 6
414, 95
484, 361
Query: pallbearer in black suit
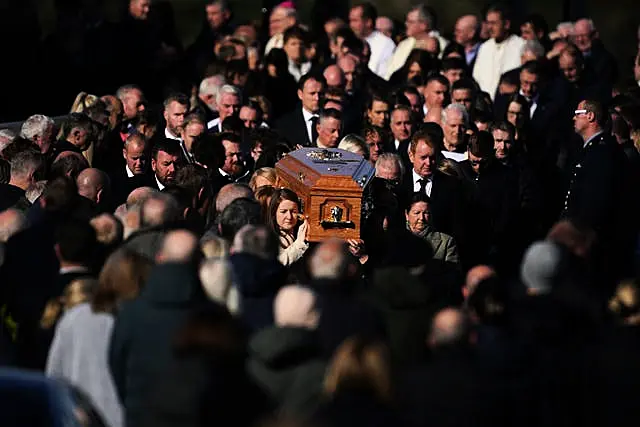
175, 108
134, 172
401, 128
299, 126
165, 160
193, 126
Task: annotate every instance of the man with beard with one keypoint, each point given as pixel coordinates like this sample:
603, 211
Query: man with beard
175, 108
165, 162
234, 168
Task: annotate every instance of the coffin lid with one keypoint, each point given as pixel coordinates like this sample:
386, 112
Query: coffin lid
321, 168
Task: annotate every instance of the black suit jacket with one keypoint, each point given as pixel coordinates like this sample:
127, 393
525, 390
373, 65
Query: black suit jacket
293, 127
596, 190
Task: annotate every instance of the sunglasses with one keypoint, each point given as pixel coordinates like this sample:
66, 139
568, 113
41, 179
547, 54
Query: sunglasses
579, 112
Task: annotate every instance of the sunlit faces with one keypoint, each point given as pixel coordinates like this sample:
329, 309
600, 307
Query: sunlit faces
174, 116
515, 114
434, 94
216, 15
401, 124
462, 96
294, 48
249, 117
415, 26
418, 217
378, 114
310, 95
496, 26
134, 155
165, 167
528, 84
414, 70
502, 142
228, 106
357, 24
569, 67
233, 164
190, 132
133, 103
454, 129
423, 159
329, 132
453, 75
375, 144
287, 216
139, 9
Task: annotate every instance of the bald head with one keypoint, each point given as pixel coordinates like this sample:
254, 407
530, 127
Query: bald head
467, 30
231, 192
295, 306
159, 209
334, 76
476, 275
91, 184
12, 221
450, 328
139, 195
330, 260
109, 230
178, 247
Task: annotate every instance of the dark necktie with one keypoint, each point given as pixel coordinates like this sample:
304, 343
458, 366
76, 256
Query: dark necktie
423, 185
314, 130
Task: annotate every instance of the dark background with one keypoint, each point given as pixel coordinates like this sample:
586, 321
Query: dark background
27, 80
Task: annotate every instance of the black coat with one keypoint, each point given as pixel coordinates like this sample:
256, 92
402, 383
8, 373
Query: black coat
293, 127
141, 342
602, 62
286, 364
258, 282
12, 196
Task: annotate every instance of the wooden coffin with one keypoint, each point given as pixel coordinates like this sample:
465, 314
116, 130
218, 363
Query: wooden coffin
330, 184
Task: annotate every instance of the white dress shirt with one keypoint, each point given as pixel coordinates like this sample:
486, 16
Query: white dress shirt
215, 123
307, 120
416, 183
276, 41
298, 72
160, 186
533, 104
382, 48
494, 60
458, 157
169, 135
129, 173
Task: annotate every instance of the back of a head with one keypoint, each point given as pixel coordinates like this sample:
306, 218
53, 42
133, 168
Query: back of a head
215, 275
76, 242
59, 194
449, 328
330, 260
12, 221
295, 307
231, 192
159, 209
543, 267
256, 240
179, 246
239, 213
109, 229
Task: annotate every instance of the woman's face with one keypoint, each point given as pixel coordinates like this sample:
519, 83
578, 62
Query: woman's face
414, 70
418, 217
515, 114
261, 181
286, 215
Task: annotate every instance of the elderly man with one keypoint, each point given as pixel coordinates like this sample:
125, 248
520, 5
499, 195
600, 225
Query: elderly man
384, 24
25, 167
133, 101
586, 38
499, 54
329, 128
420, 25
228, 102
455, 122
389, 166
467, 34
207, 96
362, 20
282, 18
39, 130
334, 76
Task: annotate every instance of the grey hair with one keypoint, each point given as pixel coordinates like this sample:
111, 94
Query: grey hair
210, 85
590, 23
458, 108
124, 90
26, 162
215, 275
228, 90
34, 191
224, 4
256, 240
36, 125
534, 47
424, 15
6, 137
352, 141
386, 158
166, 214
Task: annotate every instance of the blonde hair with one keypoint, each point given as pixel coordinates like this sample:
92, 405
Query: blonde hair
214, 247
82, 102
625, 303
362, 365
354, 144
267, 173
77, 292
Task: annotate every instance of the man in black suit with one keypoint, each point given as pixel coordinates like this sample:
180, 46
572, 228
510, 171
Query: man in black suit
402, 127
134, 172
229, 101
165, 160
299, 126
585, 36
598, 195
24, 170
234, 167
445, 191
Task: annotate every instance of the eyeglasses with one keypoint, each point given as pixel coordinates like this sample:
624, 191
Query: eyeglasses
579, 112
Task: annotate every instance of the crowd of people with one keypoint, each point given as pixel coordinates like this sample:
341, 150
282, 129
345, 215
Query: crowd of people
151, 258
